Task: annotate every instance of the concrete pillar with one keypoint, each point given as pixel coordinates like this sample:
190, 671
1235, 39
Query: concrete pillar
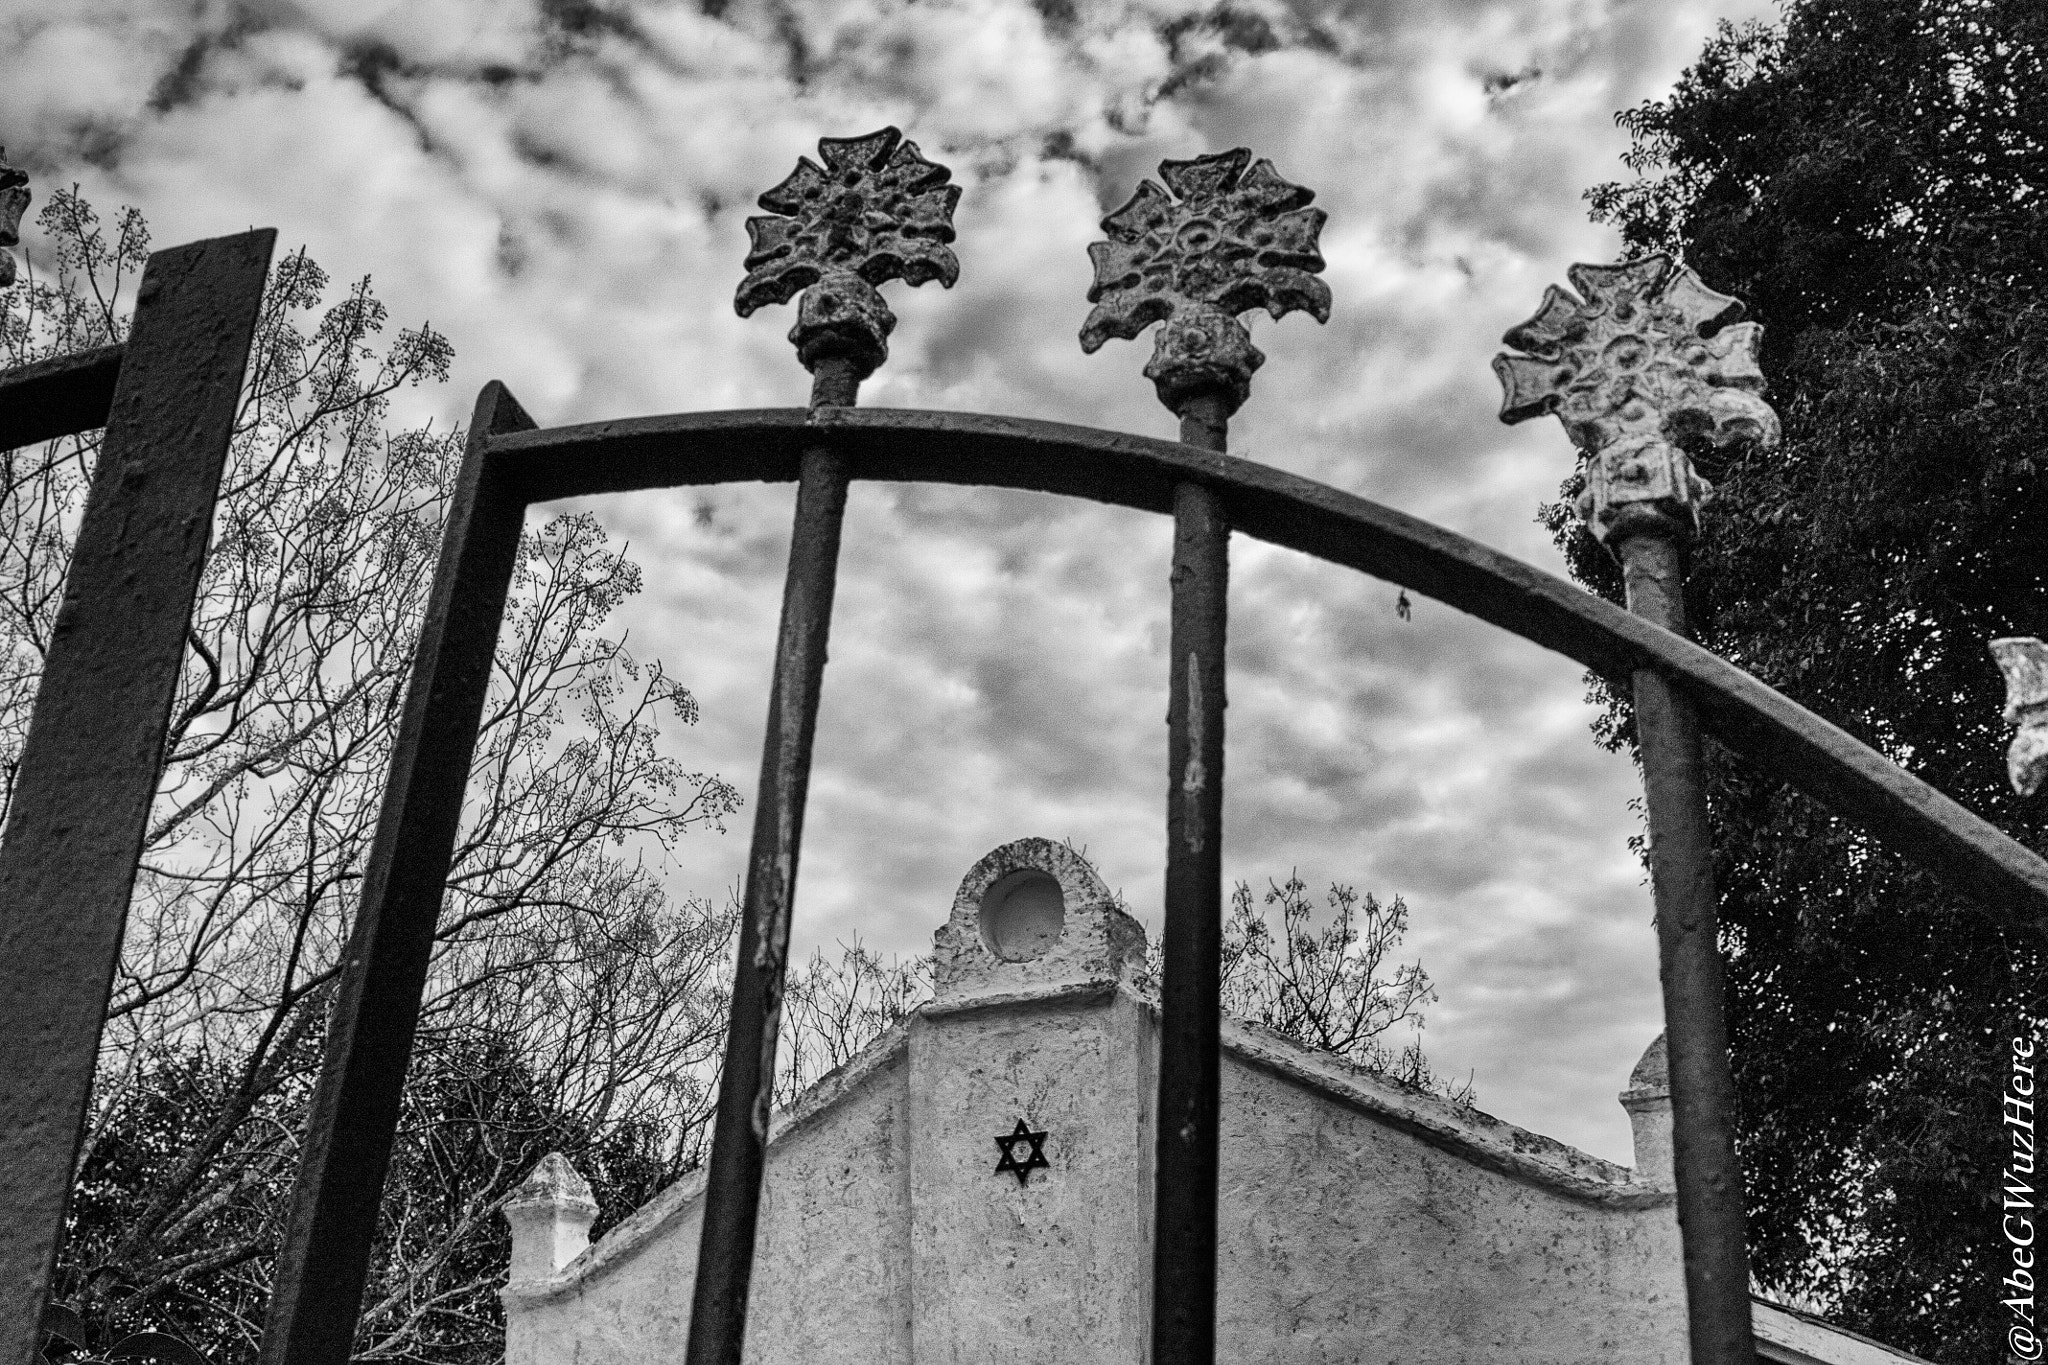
1052, 1261
1648, 1101
550, 1214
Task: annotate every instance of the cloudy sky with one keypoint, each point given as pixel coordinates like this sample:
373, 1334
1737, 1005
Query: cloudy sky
561, 188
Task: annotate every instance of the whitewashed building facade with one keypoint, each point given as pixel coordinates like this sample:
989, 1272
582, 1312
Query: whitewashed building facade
1360, 1221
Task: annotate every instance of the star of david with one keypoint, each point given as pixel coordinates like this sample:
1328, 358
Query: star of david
1034, 1162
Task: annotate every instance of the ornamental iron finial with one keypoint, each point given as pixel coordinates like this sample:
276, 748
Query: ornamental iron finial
1235, 240
13, 203
2024, 661
875, 211
1650, 362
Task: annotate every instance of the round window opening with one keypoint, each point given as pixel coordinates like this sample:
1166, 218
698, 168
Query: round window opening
1022, 915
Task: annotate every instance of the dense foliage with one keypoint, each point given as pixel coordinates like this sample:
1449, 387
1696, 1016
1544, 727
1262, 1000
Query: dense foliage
1869, 176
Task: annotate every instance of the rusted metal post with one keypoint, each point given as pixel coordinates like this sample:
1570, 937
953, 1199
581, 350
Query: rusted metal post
323, 1266
882, 212
1711, 1215
739, 1146
1238, 237
1184, 1196
1649, 357
94, 751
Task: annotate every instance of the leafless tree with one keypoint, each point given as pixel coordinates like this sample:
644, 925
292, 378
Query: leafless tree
1331, 986
572, 994
1326, 979
833, 1009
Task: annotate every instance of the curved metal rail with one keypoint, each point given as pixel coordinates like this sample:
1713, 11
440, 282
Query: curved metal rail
1777, 734
510, 465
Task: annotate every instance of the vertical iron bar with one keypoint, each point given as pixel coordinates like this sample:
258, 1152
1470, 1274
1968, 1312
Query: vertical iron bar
317, 1293
94, 752
739, 1142
1184, 1208
1711, 1216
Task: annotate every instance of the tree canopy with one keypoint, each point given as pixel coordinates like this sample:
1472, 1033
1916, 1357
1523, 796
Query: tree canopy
1869, 176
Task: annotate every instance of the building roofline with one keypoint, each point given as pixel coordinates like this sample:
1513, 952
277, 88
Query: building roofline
1464, 1131
637, 1228
1491, 1143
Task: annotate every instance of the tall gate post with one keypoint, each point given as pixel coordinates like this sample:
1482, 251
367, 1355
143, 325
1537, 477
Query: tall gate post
1649, 357
94, 751
1238, 237
877, 211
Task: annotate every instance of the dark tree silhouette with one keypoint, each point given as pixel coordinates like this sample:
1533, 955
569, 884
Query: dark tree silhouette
1868, 175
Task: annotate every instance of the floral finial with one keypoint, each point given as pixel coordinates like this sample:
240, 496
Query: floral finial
13, 203
1651, 360
1236, 239
875, 211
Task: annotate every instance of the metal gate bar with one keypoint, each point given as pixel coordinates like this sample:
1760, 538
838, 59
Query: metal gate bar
89, 768
746, 1086
323, 1266
1711, 1213
1191, 1005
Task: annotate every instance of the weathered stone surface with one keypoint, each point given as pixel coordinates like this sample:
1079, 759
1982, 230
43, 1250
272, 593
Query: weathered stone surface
2024, 661
1238, 237
14, 197
832, 1280
1097, 942
1649, 363
1361, 1221
875, 211
1648, 1102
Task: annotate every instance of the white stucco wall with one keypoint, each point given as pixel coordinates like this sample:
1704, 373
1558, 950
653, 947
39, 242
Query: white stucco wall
1360, 1222
832, 1277
1345, 1239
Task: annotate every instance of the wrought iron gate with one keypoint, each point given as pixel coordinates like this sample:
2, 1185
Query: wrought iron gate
878, 211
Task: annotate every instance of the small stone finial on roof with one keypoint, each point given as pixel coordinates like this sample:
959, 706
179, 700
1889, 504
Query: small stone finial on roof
550, 1216
1238, 237
875, 211
1652, 1074
553, 1181
1648, 1102
14, 198
2024, 661
1650, 361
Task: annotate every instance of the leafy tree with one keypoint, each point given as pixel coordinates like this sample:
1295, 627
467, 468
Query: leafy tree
1869, 176
573, 1002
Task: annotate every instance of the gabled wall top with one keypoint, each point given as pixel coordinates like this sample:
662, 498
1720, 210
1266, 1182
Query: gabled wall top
1029, 917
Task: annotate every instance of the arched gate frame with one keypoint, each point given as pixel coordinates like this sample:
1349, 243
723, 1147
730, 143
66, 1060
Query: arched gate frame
86, 776
510, 465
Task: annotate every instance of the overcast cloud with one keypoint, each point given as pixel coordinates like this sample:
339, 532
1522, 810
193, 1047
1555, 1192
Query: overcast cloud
561, 188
